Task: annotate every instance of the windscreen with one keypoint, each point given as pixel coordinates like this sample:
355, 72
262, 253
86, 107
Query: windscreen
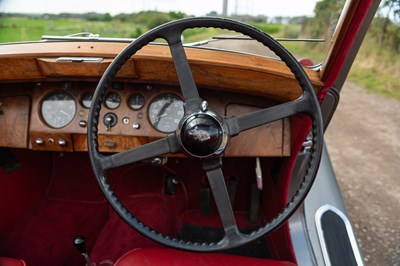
303, 27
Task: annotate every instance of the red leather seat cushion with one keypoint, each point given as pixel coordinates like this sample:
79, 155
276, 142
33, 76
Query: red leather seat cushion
11, 262
172, 257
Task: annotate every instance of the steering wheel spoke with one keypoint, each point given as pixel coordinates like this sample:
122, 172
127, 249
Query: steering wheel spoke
183, 71
149, 150
217, 184
258, 118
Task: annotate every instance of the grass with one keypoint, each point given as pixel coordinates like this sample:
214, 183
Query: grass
269, 28
370, 79
313, 51
377, 69
27, 29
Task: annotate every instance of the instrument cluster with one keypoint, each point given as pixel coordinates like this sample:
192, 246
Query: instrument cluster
163, 108
133, 114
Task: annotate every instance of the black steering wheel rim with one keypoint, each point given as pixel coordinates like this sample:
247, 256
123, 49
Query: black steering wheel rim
307, 103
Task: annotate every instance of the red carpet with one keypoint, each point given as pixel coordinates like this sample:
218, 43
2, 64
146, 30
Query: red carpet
73, 205
45, 237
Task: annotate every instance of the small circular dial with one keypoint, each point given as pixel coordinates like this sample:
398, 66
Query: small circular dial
136, 101
165, 112
112, 100
86, 99
58, 109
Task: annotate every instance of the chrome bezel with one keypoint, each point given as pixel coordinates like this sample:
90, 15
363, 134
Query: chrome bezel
107, 104
153, 100
48, 121
141, 105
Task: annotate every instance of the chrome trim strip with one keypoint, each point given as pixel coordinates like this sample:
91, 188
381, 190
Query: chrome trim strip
349, 230
79, 59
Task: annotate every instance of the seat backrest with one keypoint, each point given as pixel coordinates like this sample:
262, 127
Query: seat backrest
173, 257
11, 262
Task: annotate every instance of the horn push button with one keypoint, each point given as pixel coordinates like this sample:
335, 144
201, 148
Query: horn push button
201, 135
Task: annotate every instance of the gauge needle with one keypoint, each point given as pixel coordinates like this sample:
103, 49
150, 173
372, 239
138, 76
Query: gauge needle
161, 116
65, 113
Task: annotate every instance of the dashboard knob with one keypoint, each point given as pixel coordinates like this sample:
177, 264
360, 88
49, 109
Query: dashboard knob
62, 142
82, 123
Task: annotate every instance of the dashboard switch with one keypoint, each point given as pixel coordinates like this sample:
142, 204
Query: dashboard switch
82, 123
125, 120
62, 142
39, 141
136, 125
110, 120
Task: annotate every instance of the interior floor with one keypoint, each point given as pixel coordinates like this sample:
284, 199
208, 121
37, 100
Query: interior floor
173, 199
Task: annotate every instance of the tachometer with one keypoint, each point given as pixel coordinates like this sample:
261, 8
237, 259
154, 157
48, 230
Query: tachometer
58, 109
165, 112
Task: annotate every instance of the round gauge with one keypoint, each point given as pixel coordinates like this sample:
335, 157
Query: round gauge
86, 99
112, 100
136, 101
58, 109
165, 112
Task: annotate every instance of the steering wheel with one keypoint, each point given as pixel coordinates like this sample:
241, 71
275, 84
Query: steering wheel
203, 134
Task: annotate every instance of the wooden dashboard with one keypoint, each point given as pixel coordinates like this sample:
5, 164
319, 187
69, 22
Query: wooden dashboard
23, 116
33, 75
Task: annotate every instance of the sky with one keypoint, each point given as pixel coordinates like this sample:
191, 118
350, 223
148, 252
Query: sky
268, 8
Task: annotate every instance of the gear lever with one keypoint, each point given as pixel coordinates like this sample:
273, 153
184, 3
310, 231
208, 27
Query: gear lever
80, 244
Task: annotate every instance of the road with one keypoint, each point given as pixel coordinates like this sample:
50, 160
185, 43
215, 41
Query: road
364, 144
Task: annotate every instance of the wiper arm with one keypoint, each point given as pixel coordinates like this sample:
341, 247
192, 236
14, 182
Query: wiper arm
84, 34
242, 37
89, 37
85, 37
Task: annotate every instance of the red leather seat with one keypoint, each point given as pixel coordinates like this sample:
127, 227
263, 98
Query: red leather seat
172, 257
11, 262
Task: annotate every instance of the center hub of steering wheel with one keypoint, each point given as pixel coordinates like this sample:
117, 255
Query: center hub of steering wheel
202, 135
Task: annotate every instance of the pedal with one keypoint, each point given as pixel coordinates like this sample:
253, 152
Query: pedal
171, 181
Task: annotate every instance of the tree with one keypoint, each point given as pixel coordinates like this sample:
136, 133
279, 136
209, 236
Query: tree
392, 8
327, 13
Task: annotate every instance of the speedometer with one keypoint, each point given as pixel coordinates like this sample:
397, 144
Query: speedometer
58, 109
165, 112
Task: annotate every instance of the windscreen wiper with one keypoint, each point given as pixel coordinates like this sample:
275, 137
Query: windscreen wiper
85, 37
243, 37
90, 37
